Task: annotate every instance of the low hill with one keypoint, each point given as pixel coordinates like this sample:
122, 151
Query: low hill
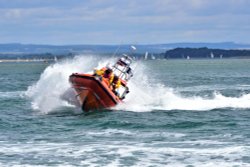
206, 53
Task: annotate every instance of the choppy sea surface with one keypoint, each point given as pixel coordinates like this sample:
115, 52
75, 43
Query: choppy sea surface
178, 113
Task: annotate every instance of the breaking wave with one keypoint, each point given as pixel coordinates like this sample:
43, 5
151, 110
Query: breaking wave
145, 95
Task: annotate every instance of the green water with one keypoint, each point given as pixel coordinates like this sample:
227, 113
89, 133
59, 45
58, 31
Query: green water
178, 113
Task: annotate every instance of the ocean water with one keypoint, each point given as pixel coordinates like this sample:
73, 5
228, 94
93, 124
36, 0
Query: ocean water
178, 113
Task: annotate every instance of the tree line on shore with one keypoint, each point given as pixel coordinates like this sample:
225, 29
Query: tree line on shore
206, 53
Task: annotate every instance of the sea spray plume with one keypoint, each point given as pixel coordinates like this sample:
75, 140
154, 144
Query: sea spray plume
47, 91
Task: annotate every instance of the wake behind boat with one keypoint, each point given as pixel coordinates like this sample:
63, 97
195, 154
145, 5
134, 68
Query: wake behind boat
104, 88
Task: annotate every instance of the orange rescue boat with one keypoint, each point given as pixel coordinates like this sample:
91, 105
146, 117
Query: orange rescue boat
94, 91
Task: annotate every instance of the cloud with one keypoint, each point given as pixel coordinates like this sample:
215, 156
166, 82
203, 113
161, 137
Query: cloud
125, 20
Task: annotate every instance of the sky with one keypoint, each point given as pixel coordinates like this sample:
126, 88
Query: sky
61, 22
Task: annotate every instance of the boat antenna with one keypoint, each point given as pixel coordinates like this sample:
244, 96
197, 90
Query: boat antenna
114, 54
118, 48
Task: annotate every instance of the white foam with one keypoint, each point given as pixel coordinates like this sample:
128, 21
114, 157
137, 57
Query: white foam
144, 154
14, 94
109, 132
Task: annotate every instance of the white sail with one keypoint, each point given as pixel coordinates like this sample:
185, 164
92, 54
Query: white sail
55, 59
211, 55
152, 57
146, 56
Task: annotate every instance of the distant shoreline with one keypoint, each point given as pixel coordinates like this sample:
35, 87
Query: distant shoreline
25, 60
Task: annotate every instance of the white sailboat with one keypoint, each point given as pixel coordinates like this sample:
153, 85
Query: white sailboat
55, 59
211, 55
152, 57
146, 56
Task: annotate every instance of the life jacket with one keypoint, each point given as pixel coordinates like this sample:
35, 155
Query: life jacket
116, 83
100, 72
108, 77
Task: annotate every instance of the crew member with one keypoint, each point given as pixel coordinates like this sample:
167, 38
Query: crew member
105, 73
116, 83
